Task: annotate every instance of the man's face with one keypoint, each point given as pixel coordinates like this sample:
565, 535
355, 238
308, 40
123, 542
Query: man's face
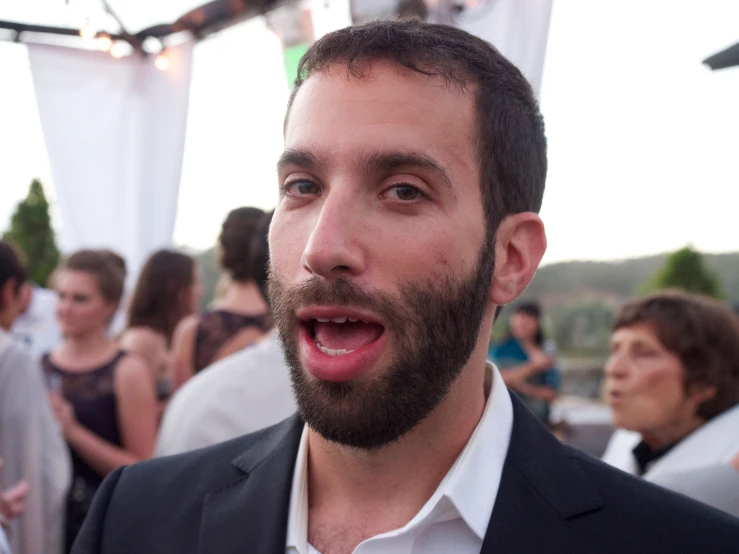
379, 278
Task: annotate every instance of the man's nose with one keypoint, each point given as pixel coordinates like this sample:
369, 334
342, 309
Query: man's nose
334, 247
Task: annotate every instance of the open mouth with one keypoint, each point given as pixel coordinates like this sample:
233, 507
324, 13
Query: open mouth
340, 343
342, 334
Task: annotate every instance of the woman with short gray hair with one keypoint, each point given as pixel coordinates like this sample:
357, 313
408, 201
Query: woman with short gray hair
673, 385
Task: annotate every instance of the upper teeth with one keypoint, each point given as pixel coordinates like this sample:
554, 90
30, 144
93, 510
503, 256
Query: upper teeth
342, 319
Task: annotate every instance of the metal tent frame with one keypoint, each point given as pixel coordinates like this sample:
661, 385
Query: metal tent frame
724, 59
200, 22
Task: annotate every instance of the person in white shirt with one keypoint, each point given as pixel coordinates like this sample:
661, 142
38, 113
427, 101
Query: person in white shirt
36, 327
31, 442
414, 165
240, 394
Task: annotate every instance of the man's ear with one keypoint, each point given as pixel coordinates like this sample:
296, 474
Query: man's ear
520, 244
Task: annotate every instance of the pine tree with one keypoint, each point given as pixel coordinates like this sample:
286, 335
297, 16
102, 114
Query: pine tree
31, 231
686, 270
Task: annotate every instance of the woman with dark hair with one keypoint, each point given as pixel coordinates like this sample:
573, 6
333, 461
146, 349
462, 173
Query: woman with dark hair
103, 398
240, 316
526, 361
672, 381
168, 290
240, 394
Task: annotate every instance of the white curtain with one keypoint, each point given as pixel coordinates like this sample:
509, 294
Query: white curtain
114, 132
517, 28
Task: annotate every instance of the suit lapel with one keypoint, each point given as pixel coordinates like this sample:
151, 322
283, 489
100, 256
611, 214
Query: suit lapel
541, 488
250, 514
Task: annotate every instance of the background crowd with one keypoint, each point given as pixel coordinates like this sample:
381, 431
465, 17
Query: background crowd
78, 398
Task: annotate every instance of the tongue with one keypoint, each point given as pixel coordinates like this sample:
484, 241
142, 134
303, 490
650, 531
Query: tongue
348, 336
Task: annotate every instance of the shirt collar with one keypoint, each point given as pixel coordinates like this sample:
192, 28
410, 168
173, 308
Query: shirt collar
474, 479
468, 490
297, 523
645, 457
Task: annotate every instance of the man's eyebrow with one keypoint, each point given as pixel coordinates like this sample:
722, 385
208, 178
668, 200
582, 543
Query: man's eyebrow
386, 161
371, 162
300, 157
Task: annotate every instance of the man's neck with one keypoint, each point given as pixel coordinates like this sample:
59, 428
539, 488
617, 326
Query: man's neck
403, 475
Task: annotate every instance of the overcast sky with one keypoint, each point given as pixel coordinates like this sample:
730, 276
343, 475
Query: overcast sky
643, 139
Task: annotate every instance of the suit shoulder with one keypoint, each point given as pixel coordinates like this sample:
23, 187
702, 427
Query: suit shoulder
649, 510
211, 465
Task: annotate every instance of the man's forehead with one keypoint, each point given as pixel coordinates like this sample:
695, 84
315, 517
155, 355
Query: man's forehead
382, 113
386, 86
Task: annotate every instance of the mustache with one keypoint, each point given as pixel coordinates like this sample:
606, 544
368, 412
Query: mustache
341, 291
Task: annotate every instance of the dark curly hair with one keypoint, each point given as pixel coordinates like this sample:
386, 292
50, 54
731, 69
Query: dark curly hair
702, 333
235, 243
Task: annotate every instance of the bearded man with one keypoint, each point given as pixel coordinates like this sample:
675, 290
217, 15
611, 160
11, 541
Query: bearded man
413, 171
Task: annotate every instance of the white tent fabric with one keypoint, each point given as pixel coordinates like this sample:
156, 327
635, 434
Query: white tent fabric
115, 133
519, 29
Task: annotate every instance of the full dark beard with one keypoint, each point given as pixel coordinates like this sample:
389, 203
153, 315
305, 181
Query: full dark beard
433, 328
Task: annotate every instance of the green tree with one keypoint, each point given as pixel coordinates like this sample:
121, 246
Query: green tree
686, 270
30, 230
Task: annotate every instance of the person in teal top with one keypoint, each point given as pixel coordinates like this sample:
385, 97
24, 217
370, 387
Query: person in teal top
526, 360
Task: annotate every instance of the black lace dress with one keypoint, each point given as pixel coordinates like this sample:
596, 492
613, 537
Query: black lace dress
92, 395
216, 328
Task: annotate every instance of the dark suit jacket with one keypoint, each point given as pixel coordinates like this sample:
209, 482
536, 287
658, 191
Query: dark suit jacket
233, 498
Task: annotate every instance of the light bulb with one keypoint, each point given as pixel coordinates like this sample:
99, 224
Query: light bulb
162, 62
105, 43
118, 50
87, 31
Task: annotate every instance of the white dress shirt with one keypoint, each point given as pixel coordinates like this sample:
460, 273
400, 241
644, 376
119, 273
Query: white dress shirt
455, 518
240, 394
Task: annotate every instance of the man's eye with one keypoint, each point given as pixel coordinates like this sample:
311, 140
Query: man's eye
406, 193
302, 188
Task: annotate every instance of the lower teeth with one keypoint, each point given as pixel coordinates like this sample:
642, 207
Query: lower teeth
331, 351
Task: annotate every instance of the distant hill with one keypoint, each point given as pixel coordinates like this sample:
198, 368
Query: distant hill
621, 279
581, 298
